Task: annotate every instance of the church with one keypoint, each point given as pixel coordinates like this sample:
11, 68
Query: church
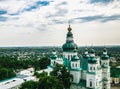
89, 71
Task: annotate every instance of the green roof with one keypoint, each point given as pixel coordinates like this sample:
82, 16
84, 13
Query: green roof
104, 57
53, 56
94, 73
92, 60
69, 46
86, 56
75, 58
92, 51
105, 66
75, 69
69, 34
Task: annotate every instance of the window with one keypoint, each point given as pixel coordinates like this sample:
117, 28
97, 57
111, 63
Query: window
90, 84
90, 68
76, 65
72, 65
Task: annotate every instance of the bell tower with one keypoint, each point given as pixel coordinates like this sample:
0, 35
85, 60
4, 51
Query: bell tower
69, 48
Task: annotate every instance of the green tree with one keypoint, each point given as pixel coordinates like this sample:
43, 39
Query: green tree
44, 62
29, 85
45, 82
63, 75
39, 75
3, 73
6, 73
50, 82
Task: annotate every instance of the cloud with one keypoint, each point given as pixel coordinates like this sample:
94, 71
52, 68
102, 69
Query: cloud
100, 1
3, 18
58, 21
36, 5
60, 12
3, 12
99, 18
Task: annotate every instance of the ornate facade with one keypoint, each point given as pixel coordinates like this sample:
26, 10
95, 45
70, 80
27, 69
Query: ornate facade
89, 71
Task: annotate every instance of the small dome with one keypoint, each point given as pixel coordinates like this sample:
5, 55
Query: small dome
69, 46
104, 50
75, 58
105, 56
53, 50
86, 55
53, 56
86, 49
92, 51
93, 60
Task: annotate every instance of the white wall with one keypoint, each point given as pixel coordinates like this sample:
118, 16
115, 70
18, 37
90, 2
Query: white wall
70, 54
76, 76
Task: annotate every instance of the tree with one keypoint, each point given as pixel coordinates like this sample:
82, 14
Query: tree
29, 85
44, 62
3, 73
45, 82
50, 82
63, 75
6, 73
39, 75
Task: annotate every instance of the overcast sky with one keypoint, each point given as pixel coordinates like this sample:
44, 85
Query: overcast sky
45, 22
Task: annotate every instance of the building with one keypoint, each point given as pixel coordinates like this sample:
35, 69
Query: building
89, 71
15, 83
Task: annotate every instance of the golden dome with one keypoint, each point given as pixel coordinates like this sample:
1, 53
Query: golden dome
69, 28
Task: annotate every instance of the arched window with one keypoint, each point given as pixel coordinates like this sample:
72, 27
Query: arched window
90, 84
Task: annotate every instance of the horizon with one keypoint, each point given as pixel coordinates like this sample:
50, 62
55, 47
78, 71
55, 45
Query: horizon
60, 46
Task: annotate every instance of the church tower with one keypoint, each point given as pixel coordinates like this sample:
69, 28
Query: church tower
70, 53
89, 71
105, 69
94, 73
53, 57
69, 46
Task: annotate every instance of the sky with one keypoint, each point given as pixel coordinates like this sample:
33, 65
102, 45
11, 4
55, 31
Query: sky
45, 22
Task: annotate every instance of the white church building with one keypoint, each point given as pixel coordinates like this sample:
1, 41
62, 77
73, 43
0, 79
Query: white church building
89, 71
